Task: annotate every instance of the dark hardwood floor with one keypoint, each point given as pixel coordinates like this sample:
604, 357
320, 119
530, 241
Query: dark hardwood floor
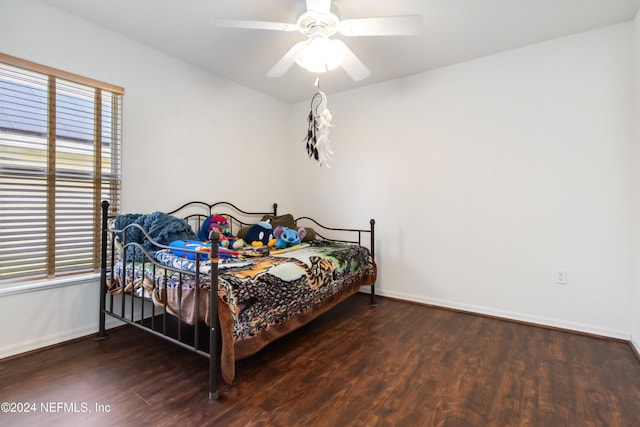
398, 364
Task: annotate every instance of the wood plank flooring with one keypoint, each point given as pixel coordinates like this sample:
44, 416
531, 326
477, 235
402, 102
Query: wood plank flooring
398, 364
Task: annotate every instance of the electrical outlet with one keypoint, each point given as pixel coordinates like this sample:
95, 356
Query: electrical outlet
561, 277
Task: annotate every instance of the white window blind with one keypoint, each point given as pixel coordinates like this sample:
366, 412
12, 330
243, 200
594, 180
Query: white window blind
60, 137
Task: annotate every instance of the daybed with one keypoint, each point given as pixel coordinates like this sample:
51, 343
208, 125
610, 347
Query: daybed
262, 293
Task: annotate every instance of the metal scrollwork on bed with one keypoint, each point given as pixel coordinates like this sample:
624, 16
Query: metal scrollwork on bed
262, 294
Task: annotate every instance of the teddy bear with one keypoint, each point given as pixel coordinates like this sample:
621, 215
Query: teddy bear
286, 237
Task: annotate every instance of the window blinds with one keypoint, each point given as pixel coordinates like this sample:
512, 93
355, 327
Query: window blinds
59, 158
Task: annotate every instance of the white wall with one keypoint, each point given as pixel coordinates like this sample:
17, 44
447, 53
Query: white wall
488, 176
220, 136
635, 332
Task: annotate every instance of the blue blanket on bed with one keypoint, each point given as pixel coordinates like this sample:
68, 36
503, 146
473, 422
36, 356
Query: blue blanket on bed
162, 227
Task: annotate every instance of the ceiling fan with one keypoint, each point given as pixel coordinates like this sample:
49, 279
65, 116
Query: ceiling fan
319, 53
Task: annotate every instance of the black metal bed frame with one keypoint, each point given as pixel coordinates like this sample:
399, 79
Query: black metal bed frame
149, 324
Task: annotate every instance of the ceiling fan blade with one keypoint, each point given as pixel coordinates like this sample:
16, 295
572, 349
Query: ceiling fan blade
350, 63
406, 25
320, 6
289, 58
254, 25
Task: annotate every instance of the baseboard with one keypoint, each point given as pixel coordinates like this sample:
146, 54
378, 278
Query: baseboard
635, 346
69, 335
54, 339
506, 315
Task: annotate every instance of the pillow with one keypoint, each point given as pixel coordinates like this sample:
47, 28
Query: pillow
285, 220
310, 236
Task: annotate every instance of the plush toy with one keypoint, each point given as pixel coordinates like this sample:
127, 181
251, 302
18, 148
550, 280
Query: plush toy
221, 224
260, 234
288, 237
178, 246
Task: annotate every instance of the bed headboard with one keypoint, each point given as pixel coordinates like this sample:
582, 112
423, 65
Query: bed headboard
196, 212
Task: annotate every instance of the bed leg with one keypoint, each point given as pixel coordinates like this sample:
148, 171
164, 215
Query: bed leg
102, 334
372, 235
214, 359
213, 362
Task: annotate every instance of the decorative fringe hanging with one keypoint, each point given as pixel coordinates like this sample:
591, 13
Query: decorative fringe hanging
317, 139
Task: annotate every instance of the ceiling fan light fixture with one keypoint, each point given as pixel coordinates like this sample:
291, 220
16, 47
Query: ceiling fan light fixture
319, 55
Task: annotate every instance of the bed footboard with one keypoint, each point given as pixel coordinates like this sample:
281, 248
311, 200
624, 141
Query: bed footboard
134, 300
346, 235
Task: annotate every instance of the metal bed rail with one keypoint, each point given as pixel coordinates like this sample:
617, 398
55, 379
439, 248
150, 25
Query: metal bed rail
358, 234
133, 312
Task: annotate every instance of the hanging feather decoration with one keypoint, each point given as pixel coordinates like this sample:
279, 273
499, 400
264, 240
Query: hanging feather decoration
317, 139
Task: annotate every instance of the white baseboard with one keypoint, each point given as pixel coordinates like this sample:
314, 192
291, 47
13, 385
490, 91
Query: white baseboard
537, 320
62, 336
53, 339
635, 343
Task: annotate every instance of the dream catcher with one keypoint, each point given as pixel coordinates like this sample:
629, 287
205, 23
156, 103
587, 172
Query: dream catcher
317, 139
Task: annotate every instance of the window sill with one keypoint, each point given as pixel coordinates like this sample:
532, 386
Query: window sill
47, 284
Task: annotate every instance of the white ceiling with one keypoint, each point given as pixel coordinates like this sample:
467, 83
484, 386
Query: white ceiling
454, 31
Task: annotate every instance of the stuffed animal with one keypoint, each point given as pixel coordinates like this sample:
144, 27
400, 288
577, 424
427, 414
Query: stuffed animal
221, 224
178, 246
288, 237
260, 234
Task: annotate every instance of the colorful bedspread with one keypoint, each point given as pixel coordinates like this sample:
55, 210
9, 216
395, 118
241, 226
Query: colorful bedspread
279, 287
260, 292
265, 298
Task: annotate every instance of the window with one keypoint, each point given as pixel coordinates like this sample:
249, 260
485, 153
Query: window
60, 138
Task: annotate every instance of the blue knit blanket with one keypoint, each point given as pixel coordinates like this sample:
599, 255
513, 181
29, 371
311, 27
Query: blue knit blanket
162, 227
